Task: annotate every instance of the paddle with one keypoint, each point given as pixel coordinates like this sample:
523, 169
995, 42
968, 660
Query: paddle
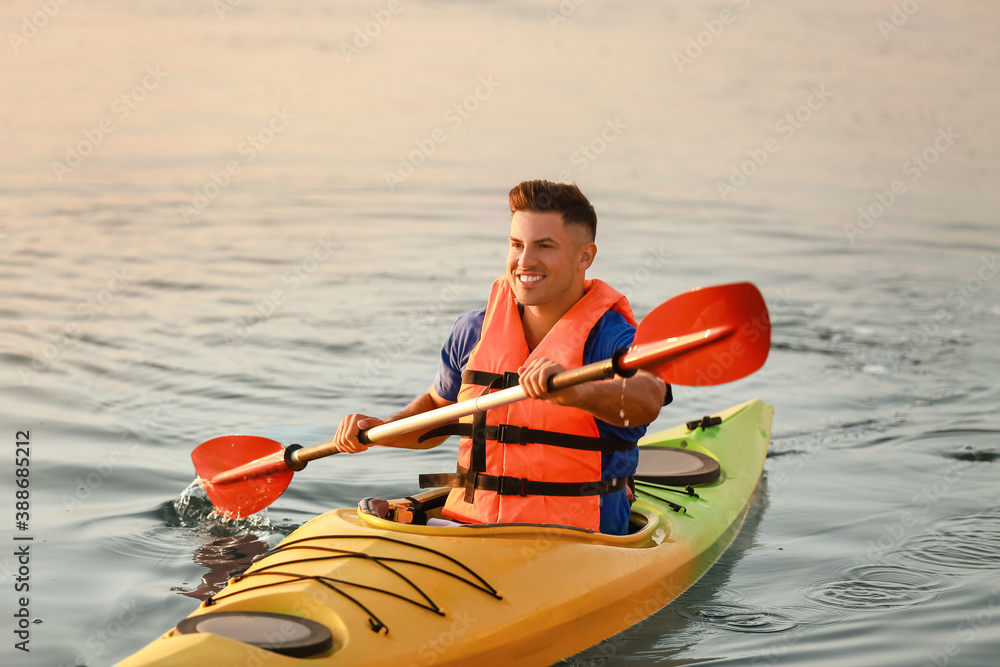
707, 336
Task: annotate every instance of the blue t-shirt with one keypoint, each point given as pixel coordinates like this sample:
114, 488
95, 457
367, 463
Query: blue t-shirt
611, 333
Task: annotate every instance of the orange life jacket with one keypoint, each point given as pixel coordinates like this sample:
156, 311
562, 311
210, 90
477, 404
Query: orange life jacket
537, 462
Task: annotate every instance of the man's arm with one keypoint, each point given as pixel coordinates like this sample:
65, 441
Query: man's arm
635, 401
456, 349
346, 439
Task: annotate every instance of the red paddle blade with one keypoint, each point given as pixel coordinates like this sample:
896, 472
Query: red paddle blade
738, 316
242, 474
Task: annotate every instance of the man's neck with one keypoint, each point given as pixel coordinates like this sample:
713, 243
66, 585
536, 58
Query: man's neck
537, 324
537, 321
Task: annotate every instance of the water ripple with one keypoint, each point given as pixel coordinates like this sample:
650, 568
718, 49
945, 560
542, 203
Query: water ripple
876, 588
740, 618
965, 543
157, 550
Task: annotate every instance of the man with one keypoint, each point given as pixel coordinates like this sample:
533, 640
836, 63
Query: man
561, 457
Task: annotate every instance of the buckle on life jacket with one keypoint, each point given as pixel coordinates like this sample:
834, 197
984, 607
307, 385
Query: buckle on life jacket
510, 434
512, 486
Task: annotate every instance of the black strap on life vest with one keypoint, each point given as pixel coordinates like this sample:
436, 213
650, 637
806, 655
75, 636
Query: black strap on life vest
521, 435
486, 379
521, 486
477, 457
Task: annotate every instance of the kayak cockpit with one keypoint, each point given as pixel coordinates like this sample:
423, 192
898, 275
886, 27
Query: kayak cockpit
646, 526
673, 465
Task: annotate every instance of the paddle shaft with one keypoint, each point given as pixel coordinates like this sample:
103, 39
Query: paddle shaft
721, 333
624, 364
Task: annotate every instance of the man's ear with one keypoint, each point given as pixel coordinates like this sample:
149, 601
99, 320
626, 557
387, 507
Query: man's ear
588, 252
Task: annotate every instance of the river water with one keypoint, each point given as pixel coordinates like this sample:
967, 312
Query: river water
253, 217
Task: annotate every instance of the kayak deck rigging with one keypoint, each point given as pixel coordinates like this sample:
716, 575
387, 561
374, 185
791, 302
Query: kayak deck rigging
647, 489
318, 543
332, 583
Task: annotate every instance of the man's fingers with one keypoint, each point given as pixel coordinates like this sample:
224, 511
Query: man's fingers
348, 430
368, 423
534, 382
535, 377
541, 387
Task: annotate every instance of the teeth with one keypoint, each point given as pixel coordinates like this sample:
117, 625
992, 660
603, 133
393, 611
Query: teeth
529, 279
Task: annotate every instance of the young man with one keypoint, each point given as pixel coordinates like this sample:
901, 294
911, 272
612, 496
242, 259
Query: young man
559, 457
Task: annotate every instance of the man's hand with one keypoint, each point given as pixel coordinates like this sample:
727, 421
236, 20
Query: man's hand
347, 433
634, 401
534, 379
346, 439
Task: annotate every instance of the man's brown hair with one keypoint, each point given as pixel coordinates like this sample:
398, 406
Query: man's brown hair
563, 198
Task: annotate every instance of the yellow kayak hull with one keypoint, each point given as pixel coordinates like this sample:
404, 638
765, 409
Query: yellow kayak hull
409, 595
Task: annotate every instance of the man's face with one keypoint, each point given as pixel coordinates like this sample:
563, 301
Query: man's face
546, 257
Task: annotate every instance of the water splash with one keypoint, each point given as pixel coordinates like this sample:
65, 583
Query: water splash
224, 546
193, 509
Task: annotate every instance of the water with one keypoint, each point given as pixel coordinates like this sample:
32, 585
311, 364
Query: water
219, 251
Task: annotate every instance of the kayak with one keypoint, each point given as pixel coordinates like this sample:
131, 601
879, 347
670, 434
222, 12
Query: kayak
353, 588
